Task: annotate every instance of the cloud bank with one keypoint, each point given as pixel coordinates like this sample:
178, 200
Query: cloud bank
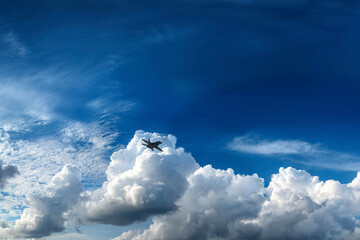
222, 205
187, 201
219, 204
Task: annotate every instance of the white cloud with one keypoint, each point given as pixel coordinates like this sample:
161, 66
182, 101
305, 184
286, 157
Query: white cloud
109, 109
86, 146
23, 106
31, 95
217, 204
221, 205
67, 236
297, 151
215, 201
140, 183
38, 135
45, 212
249, 145
192, 202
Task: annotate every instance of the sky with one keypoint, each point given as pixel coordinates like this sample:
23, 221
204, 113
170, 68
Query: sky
256, 103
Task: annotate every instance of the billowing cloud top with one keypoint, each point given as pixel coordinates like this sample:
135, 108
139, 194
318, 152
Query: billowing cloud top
140, 182
46, 211
221, 205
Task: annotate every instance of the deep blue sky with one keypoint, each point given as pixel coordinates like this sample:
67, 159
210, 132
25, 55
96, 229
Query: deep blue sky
204, 71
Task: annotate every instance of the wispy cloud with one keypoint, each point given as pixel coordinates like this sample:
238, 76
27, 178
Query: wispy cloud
23, 106
249, 145
17, 48
165, 33
40, 129
298, 151
105, 106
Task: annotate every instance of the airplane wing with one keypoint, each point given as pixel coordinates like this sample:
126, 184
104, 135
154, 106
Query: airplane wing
145, 141
158, 148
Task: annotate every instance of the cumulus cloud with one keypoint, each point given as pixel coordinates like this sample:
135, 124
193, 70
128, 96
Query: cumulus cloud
250, 145
216, 205
86, 146
140, 183
187, 201
301, 206
221, 205
46, 211
6, 173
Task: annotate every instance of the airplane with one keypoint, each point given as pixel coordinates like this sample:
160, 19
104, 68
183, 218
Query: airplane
152, 145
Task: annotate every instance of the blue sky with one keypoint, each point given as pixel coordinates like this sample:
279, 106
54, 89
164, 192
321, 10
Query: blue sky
248, 85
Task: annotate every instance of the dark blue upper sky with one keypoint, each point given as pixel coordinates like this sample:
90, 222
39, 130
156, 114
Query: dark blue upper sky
205, 71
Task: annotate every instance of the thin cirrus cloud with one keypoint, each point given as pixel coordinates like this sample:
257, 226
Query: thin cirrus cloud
37, 94
250, 145
296, 150
15, 46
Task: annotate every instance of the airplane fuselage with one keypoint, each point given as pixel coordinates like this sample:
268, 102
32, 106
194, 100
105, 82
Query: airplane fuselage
152, 145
